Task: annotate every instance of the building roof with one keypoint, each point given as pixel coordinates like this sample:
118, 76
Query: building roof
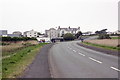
14, 35
52, 29
68, 29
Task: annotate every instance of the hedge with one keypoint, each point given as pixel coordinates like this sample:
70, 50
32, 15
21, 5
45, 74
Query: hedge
16, 38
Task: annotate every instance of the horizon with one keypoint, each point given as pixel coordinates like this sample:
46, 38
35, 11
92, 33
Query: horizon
89, 15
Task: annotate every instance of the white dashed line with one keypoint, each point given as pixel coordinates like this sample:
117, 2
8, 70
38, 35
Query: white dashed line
114, 68
95, 60
74, 50
81, 54
69, 47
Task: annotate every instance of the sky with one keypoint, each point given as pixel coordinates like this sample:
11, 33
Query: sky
89, 15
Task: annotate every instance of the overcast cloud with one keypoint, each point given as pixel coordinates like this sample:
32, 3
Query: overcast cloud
90, 15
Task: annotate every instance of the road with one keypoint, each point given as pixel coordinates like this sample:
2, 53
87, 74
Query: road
69, 60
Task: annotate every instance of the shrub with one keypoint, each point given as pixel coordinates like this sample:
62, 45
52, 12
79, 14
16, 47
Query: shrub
104, 36
16, 38
69, 36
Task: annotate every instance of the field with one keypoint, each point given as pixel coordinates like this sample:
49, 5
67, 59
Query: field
115, 37
17, 56
106, 42
15, 46
111, 44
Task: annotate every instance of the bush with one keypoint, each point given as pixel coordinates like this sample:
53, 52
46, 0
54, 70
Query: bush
16, 38
104, 36
68, 37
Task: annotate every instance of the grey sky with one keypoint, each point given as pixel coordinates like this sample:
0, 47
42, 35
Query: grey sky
90, 15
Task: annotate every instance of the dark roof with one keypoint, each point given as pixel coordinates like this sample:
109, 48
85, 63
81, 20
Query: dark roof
68, 29
14, 35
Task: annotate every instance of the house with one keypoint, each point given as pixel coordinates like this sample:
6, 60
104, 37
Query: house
3, 33
17, 32
52, 33
55, 33
31, 33
63, 31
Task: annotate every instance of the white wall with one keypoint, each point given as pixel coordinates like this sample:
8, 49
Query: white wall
44, 38
32, 34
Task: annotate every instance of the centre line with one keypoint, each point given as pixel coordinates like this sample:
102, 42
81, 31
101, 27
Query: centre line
81, 54
74, 50
114, 68
95, 60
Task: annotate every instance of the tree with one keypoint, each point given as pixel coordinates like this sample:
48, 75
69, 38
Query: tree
103, 31
103, 34
68, 37
39, 33
78, 34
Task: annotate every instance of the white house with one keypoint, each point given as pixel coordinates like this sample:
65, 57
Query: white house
31, 33
63, 31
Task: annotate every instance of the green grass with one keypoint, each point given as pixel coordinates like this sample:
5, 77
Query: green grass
14, 66
13, 49
102, 46
115, 37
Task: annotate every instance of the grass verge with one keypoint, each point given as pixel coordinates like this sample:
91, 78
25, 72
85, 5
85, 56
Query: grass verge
14, 66
102, 46
115, 37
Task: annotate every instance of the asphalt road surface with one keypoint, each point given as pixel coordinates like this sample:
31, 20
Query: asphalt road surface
69, 60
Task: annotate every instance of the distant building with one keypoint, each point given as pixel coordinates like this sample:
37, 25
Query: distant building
31, 33
55, 33
87, 33
17, 33
63, 31
13, 35
44, 39
117, 32
109, 33
52, 33
3, 33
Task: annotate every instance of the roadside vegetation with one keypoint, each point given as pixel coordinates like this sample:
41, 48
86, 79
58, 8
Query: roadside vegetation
16, 38
18, 59
115, 48
69, 37
15, 46
117, 37
104, 41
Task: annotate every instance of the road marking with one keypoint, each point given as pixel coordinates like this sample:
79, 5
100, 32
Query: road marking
114, 68
81, 54
95, 60
74, 50
69, 47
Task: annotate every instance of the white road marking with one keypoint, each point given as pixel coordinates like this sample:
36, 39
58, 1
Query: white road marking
74, 50
114, 68
81, 54
95, 60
